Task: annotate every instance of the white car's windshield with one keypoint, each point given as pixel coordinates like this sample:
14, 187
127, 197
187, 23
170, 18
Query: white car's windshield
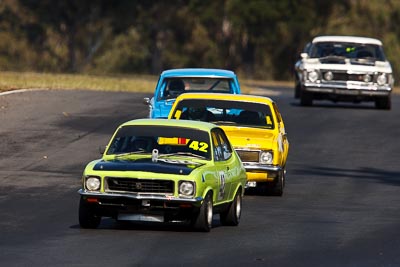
347, 50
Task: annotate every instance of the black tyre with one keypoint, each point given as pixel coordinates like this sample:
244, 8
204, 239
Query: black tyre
279, 184
232, 215
296, 91
297, 88
87, 215
383, 103
306, 98
203, 219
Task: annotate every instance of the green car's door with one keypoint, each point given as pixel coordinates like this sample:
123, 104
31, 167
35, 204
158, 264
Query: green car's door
225, 165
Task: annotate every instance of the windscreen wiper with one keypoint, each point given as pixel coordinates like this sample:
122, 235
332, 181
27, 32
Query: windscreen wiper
130, 153
182, 154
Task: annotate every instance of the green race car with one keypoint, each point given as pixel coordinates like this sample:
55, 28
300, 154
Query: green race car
161, 170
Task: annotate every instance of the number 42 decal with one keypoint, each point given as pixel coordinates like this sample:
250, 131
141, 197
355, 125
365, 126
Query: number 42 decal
200, 146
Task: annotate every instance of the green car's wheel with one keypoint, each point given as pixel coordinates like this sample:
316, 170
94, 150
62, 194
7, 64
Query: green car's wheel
87, 215
203, 219
232, 215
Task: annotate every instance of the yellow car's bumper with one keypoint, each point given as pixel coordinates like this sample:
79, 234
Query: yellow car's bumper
262, 173
259, 177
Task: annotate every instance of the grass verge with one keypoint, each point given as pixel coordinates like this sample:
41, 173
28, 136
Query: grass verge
118, 83
29, 80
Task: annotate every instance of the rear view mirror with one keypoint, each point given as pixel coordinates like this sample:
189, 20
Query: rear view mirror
304, 55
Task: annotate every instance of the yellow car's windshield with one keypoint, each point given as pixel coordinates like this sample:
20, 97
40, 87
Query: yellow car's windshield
224, 112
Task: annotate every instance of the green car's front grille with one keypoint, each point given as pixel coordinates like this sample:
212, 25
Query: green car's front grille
139, 185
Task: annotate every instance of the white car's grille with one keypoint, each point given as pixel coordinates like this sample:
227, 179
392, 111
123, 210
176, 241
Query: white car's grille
342, 76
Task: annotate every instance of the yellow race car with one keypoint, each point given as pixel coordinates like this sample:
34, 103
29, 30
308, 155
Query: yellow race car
254, 127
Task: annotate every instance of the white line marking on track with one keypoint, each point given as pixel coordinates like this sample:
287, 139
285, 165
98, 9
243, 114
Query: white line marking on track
22, 91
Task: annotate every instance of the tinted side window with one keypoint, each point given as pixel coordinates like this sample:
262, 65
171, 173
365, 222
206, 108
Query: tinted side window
216, 147
223, 150
278, 114
306, 48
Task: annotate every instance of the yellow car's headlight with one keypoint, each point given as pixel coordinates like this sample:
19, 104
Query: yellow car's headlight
266, 157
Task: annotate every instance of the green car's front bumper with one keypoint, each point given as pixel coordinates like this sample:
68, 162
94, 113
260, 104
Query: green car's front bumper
138, 196
141, 207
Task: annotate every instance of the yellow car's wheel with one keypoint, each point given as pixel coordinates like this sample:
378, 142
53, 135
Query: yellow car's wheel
279, 184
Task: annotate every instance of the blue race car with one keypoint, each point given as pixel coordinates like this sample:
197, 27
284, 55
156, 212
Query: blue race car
177, 81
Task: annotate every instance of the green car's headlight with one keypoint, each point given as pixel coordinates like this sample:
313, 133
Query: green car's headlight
186, 188
92, 183
266, 157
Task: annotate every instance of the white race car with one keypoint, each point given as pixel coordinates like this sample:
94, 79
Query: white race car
344, 68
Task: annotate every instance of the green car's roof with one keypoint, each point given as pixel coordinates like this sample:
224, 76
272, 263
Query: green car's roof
200, 125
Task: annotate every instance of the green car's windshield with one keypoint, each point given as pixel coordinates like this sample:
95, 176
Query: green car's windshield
225, 112
143, 139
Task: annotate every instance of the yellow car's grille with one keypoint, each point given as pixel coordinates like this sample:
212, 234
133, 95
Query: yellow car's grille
139, 185
248, 155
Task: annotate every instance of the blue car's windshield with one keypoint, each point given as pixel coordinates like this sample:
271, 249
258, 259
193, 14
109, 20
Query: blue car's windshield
172, 87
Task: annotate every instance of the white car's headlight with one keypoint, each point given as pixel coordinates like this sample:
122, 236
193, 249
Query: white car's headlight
328, 76
186, 188
367, 78
92, 183
266, 157
382, 79
313, 76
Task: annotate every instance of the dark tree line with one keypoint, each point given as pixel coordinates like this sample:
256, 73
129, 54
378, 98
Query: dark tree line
256, 38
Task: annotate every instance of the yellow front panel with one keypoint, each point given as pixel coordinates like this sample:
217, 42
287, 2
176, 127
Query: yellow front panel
259, 177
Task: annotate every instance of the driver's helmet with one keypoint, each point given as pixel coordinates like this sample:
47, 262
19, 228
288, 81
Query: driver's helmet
142, 144
176, 87
197, 113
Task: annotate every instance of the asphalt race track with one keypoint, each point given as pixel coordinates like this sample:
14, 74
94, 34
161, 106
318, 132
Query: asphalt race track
340, 206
